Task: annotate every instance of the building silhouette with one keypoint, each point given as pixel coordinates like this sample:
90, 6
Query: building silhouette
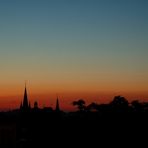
57, 109
25, 105
35, 105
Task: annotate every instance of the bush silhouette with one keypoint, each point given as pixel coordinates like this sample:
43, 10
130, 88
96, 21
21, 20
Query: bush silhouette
80, 104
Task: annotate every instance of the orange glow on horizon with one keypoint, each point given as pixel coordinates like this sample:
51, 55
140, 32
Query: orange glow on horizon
66, 99
46, 93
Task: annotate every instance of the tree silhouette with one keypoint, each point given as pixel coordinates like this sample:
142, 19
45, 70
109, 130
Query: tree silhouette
92, 106
80, 104
136, 105
119, 104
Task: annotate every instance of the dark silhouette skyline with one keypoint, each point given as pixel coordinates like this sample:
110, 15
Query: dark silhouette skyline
87, 51
44, 127
14, 102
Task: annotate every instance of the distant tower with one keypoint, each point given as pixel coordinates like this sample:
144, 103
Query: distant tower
25, 105
57, 105
35, 105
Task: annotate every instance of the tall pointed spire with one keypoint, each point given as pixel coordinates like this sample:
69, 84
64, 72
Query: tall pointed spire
25, 100
57, 105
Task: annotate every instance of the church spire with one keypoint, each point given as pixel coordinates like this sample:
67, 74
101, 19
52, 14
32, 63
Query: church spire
25, 100
57, 105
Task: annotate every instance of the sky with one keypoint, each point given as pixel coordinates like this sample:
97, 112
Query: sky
91, 49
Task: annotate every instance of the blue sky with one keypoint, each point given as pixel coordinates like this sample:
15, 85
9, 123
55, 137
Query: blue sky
75, 42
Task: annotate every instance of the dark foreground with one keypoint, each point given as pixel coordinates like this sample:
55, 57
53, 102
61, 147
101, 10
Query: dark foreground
78, 129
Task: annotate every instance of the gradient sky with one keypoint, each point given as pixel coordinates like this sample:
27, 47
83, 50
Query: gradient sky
74, 48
